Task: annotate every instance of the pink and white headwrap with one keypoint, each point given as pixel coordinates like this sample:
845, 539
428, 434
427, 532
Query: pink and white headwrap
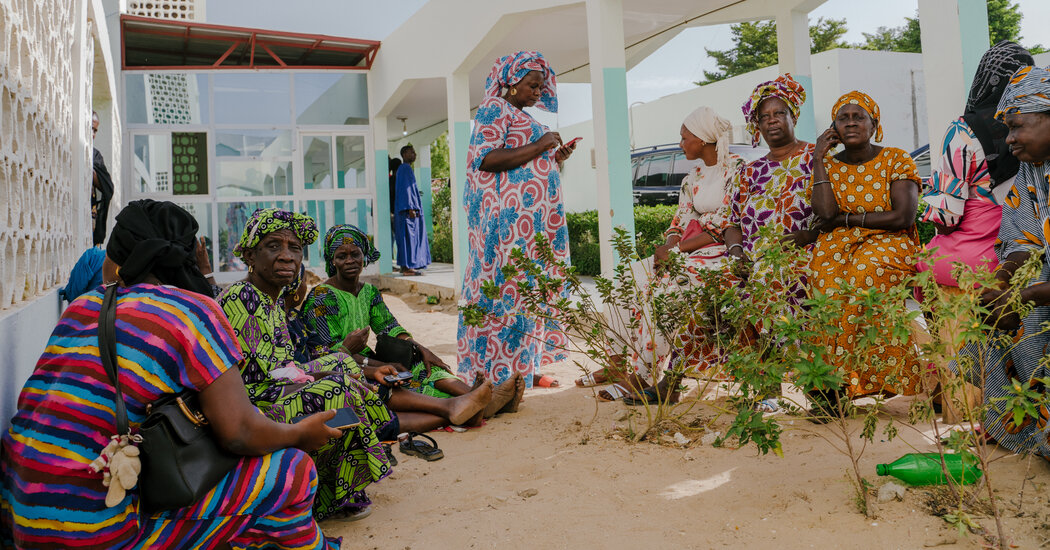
510, 69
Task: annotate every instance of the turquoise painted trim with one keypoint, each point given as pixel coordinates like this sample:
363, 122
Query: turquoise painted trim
973, 28
618, 138
427, 196
806, 126
383, 239
462, 140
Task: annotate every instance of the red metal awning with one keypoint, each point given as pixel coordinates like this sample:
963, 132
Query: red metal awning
152, 44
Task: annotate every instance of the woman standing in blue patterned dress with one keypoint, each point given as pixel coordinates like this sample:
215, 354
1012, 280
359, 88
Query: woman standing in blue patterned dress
513, 193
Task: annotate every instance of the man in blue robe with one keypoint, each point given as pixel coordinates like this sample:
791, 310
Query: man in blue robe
410, 232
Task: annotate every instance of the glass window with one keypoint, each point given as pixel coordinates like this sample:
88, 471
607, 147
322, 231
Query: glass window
680, 168
641, 168
317, 162
166, 98
233, 216
249, 178
202, 213
350, 158
189, 154
253, 143
331, 98
252, 98
659, 168
329, 213
151, 163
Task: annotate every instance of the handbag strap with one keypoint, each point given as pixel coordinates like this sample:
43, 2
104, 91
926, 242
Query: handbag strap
107, 349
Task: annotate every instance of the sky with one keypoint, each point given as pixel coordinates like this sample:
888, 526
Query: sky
671, 69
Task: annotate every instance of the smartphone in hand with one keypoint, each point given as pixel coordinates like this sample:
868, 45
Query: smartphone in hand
344, 419
572, 142
397, 379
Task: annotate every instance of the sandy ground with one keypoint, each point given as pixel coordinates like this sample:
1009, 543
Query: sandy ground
558, 474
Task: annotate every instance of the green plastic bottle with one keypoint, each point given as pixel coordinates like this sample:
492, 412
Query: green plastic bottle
925, 469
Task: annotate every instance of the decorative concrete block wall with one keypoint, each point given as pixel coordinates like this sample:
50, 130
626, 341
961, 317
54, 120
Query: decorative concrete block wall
39, 146
191, 10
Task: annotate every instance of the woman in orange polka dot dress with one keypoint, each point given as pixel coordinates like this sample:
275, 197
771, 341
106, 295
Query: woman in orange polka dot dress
867, 196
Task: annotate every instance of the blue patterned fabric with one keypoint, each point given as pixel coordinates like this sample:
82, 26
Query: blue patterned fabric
1006, 357
509, 70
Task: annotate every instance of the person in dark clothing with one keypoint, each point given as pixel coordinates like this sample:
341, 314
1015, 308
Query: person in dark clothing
101, 189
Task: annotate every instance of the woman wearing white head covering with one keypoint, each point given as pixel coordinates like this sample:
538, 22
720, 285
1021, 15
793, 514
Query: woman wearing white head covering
695, 232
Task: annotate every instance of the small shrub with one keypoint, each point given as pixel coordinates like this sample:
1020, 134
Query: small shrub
441, 243
650, 222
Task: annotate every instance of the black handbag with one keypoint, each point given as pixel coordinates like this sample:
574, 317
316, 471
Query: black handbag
395, 350
181, 461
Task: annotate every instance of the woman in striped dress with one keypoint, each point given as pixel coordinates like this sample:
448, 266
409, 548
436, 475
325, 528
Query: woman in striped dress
171, 336
1014, 355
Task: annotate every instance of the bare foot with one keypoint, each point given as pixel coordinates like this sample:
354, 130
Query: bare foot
502, 394
467, 405
519, 392
479, 418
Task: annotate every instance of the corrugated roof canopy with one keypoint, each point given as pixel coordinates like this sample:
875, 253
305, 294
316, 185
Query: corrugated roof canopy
167, 44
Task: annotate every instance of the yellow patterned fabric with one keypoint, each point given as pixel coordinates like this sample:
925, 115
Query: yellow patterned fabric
867, 259
865, 102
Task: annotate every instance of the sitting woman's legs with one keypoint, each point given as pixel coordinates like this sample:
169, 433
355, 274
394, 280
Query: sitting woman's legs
454, 410
341, 485
264, 501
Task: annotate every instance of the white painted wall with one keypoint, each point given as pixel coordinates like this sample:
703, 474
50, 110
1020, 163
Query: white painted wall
886, 76
49, 81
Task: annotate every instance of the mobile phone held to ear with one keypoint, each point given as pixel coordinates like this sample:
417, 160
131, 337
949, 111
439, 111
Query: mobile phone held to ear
344, 419
395, 379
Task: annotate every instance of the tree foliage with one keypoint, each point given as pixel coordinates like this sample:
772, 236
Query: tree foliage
439, 157
1004, 23
755, 43
755, 46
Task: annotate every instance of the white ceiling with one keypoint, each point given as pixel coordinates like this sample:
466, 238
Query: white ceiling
560, 33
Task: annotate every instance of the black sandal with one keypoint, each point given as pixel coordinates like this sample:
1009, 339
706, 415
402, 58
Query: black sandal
429, 452
389, 454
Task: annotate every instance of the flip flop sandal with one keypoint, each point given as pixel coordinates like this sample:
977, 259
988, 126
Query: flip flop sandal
616, 391
429, 452
648, 397
389, 454
587, 381
355, 515
767, 406
547, 381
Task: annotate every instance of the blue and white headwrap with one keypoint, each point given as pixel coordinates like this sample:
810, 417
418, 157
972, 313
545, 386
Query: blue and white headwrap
1028, 92
510, 69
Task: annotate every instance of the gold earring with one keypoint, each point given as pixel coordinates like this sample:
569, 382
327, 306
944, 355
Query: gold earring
251, 268
513, 91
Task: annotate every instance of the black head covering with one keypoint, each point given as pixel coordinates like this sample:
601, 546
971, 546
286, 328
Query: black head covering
158, 238
997, 65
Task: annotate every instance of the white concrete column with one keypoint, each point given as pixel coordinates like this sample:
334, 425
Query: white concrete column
82, 152
458, 94
793, 57
954, 36
426, 194
612, 148
381, 197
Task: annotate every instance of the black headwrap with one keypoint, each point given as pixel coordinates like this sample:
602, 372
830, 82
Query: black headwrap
997, 65
158, 238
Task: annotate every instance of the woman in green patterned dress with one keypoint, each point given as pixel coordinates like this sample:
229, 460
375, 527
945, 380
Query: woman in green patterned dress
272, 247
340, 312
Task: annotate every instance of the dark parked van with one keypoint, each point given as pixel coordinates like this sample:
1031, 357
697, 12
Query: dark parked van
658, 171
